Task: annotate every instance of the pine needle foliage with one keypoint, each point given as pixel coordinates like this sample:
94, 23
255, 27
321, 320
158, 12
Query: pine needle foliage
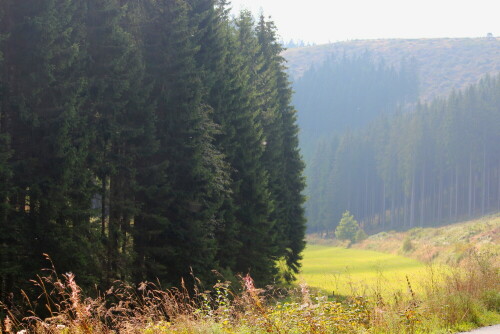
144, 140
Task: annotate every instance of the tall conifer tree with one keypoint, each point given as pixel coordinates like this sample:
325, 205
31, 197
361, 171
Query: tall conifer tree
51, 204
281, 157
120, 122
8, 265
192, 176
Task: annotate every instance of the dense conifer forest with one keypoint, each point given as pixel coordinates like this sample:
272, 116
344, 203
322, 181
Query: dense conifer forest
444, 64
391, 132
145, 139
396, 163
347, 93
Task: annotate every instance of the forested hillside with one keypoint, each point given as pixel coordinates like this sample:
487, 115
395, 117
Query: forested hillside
143, 140
440, 162
382, 137
443, 64
347, 93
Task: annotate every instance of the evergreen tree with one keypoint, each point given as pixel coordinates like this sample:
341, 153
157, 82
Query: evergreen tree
281, 156
144, 140
8, 265
246, 243
219, 60
193, 176
120, 120
434, 165
50, 206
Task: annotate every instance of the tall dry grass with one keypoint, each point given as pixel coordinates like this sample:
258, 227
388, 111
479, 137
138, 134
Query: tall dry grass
468, 296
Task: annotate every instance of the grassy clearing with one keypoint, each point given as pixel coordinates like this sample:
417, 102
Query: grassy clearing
355, 272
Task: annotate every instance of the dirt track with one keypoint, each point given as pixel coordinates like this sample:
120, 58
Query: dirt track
486, 330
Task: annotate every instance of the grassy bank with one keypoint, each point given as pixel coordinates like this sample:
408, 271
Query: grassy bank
447, 244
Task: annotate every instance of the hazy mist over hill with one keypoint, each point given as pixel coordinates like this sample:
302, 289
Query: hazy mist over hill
443, 64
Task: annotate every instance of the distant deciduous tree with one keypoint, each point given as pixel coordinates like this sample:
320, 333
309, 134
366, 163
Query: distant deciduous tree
347, 228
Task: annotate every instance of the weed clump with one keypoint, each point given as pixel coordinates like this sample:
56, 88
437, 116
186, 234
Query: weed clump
361, 235
407, 245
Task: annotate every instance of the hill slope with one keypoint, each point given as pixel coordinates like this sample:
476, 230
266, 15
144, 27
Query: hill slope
444, 64
447, 244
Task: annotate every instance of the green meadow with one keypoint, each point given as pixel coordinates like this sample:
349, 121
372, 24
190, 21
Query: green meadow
346, 271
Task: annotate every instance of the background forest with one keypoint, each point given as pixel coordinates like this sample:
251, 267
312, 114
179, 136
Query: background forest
376, 144
143, 140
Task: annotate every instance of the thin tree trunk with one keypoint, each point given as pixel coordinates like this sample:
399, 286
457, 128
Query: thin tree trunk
456, 192
405, 211
498, 190
392, 209
365, 206
440, 198
474, 193
470, 187
451, 199
383, 206
103, 207
483, 198
422, 198
412, 203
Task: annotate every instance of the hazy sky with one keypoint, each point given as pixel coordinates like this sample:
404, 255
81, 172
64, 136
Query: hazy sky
321, 21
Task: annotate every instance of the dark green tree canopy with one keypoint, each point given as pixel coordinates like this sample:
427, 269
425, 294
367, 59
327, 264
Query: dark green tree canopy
143, 140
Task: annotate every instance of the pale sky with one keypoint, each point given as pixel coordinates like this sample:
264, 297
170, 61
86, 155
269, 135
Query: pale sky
323, 21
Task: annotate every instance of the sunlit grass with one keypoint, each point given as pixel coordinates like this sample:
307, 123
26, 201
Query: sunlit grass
346, 271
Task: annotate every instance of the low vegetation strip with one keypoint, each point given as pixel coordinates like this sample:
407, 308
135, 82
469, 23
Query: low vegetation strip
465, 298
381, 294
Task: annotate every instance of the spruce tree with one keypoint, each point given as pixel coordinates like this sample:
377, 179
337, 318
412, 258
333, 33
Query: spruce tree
191, 172
281, 157
50, 207
120, 122
252, 197
8, 265
144, 140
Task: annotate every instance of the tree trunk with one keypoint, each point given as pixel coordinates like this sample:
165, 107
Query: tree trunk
412, 202
483, 197
103, 206
470, 188
422, 198
498, 190
451, 199
382, 216
456, 192
393, 213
